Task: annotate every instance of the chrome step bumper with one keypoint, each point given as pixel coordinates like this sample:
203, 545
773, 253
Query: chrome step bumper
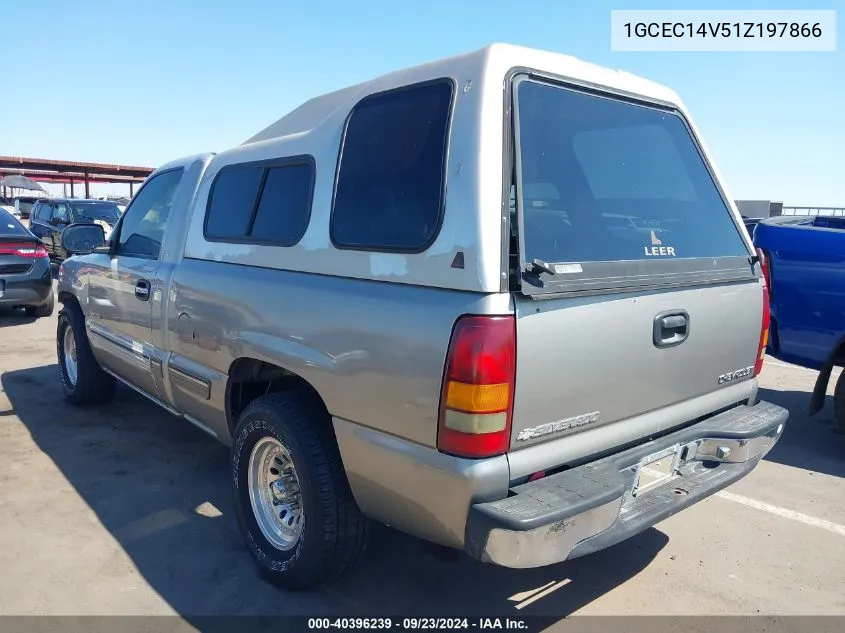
594, 506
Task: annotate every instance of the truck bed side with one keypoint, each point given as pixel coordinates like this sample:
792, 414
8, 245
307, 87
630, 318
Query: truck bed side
350, 339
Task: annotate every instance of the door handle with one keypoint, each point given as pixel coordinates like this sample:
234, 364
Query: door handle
670, 328
673, 322
142, 290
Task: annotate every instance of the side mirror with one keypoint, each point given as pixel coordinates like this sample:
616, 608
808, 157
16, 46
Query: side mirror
81, 239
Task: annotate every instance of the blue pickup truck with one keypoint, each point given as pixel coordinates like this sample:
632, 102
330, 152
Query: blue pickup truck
804, 260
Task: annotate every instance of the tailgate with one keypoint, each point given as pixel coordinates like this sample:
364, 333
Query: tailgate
586, 362
635, 287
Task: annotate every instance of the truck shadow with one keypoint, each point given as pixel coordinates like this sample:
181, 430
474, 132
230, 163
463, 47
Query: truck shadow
811, 443
160, 488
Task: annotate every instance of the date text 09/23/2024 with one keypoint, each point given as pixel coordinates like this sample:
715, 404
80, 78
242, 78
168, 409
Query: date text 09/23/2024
417, 623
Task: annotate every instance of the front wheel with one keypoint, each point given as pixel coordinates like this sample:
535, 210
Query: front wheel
292, 499
83, 381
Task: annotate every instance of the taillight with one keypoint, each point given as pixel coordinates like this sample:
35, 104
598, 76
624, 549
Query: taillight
476, 403
765, 266
27, 250
767, 312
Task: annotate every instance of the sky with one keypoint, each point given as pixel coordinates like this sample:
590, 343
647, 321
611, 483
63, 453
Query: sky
142, 84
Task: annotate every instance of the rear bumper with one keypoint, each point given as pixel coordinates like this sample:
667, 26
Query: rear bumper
29, 289
594, 506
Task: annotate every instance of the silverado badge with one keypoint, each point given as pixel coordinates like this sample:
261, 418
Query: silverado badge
556, 427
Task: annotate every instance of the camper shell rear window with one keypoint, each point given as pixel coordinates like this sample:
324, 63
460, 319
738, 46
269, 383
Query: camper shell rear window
613, 192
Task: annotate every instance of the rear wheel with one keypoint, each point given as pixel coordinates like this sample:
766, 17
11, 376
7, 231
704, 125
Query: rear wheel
292, 499
83, 381
44, 310
839, 402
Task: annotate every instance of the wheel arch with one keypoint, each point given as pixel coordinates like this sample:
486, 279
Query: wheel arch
68, 298
250, 378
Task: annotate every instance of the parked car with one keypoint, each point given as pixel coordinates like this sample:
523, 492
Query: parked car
373, 345
49, 219
804, 257
24, 204
26, 280
10, 209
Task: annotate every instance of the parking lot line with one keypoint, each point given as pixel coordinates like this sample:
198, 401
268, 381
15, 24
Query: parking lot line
544, 593
784, 512
777, 363
768, 361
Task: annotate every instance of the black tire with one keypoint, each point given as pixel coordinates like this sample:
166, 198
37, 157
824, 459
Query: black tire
335, 532
93, 385
44, 310
839, 402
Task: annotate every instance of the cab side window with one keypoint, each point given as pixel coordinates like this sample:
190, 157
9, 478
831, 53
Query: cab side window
61, 213
145, 220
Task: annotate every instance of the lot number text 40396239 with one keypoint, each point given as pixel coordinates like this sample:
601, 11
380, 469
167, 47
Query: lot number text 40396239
418, 624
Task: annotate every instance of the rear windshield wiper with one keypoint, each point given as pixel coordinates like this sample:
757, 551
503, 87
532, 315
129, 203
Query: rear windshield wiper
539, 266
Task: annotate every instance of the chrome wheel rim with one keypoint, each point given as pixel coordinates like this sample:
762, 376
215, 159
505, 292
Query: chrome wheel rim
70, 363
274, 493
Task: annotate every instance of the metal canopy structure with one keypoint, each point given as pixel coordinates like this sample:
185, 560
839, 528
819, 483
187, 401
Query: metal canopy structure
71, 172
21, 182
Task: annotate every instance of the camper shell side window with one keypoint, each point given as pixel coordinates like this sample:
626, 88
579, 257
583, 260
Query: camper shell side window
391, 176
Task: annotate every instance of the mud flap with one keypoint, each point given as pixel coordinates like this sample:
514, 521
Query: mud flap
820, 390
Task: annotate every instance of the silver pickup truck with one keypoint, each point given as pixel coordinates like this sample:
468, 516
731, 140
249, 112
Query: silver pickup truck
502, 302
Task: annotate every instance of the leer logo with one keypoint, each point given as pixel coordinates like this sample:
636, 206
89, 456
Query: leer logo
657, 248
